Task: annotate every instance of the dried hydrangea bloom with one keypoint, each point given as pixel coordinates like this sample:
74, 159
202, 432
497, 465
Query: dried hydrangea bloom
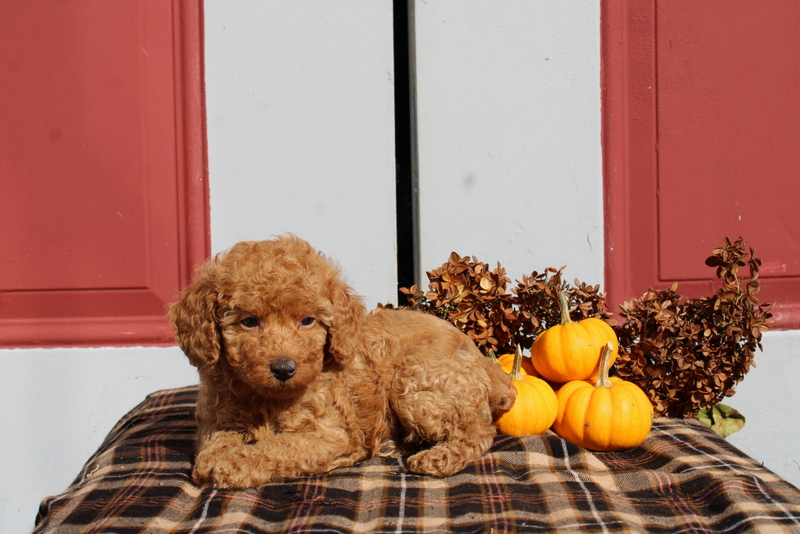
689, 354
686, 354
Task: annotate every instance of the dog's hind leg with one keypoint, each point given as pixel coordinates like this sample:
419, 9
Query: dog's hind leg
444, 404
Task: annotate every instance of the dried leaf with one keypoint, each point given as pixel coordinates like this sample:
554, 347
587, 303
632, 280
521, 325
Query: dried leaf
722, 419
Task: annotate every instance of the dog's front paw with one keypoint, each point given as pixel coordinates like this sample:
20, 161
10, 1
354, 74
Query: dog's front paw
201, 471
233, 471
237, 468
221, 448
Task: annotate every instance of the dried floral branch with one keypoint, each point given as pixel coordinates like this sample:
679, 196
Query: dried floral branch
686, 354
689, 354
476, 299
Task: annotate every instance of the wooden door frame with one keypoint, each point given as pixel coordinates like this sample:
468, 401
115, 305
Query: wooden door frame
630, 159
618, 96
193, 237
191, 136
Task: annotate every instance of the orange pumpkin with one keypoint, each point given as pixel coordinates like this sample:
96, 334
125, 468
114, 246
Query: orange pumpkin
571, 350
506, 361
612, 415
535, 408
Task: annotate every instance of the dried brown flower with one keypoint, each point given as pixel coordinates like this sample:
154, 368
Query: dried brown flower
476, 299
688, 354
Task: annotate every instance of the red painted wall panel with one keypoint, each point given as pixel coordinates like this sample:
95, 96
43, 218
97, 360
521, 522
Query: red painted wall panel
701, 104
100, 172
728, 133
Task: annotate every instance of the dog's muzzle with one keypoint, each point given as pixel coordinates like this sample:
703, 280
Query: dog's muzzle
283, 368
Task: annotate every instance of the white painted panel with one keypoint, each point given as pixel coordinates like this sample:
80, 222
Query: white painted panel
57, 407
300, 104
769, 399
509, 134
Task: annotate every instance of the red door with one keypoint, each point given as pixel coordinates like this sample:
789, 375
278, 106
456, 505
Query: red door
102, 195
701, 141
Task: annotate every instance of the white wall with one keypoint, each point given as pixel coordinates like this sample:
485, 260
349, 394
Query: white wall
300, 133
510, 158
768, 397
301, 130
57, 407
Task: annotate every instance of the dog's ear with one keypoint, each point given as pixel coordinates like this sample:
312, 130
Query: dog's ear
194, 317
344, 336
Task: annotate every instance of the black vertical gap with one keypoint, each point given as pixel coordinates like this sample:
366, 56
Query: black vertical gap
405, 147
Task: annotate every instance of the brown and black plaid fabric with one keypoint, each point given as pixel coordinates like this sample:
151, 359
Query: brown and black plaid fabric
682, 479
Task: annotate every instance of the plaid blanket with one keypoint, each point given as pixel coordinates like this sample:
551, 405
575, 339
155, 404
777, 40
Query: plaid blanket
682, 479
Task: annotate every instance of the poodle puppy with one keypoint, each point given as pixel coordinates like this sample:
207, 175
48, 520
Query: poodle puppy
297, 378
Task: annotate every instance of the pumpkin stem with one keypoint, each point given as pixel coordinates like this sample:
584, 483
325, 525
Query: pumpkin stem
563, 306
493, 356
605, 356
516, 368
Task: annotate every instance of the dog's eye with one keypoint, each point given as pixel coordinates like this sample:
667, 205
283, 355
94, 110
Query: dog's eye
249, 322
307, 321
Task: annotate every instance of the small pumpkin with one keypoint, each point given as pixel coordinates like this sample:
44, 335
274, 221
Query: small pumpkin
536, 405
571, 350
612, 415
506, 361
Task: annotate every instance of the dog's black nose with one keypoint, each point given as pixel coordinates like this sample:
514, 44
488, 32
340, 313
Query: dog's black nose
283, 368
